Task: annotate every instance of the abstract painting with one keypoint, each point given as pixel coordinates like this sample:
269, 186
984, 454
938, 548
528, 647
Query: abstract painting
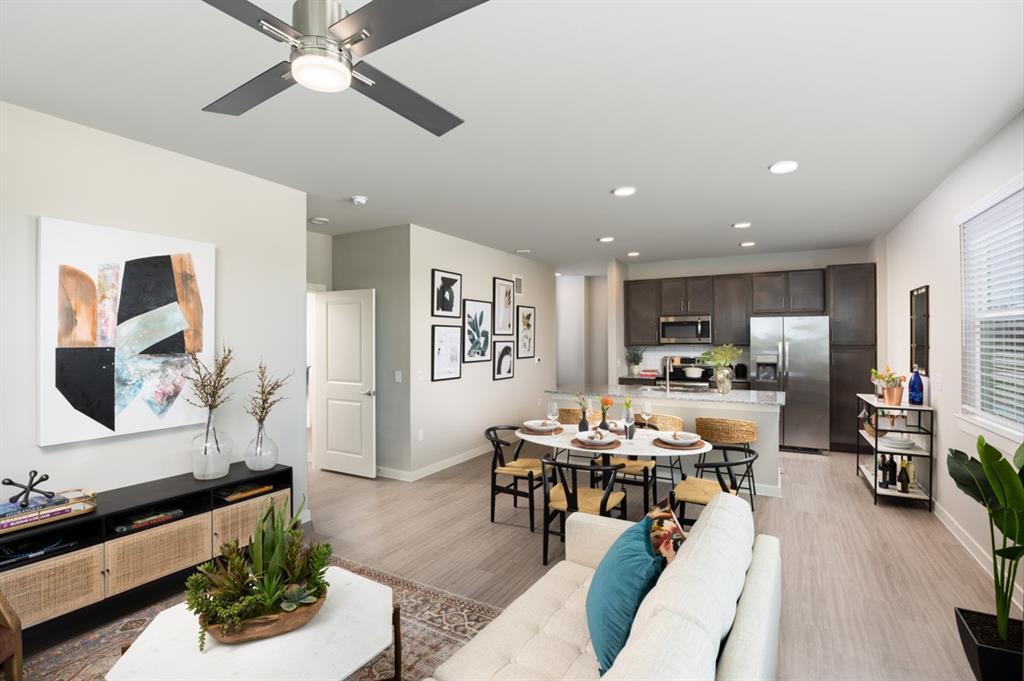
118, 313
445, 293
476, 330
504, 365
445, 363
526, 331
504, 310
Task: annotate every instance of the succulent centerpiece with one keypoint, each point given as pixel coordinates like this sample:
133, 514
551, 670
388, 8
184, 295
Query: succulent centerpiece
272, 586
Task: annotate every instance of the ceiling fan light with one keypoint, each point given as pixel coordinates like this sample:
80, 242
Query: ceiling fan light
321, 73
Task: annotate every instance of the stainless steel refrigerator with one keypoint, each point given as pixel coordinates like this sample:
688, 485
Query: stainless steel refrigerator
791, 354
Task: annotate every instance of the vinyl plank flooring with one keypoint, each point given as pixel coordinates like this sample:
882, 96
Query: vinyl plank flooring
868, 591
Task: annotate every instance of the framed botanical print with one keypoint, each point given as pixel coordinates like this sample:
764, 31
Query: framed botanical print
504, 309
504, 364
445, 293
526, 331
477, 317
445, 360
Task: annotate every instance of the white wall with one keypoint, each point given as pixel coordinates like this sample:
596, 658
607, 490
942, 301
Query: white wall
319, 256
617, 274
51, 167
571, 315
379, 259
755, 262
597, 330
452, 415
924, 250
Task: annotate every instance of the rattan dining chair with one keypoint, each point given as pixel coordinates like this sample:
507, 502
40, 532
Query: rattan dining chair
695, 490
670, 424
719, 431
525, 469
10, 641
567, 496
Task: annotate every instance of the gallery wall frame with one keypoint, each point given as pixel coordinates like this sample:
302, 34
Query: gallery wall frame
477, 330
446, 351
503, 366
526, 331
504, 297
445, 293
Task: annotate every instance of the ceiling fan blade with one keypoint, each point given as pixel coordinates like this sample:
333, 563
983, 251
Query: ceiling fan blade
403, 101
389, 20
277, 78
252, 16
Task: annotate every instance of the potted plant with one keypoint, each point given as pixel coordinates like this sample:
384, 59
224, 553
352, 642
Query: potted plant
994, 643
634, 356
721, 358
606, 404
273, 586
211, 449
892, 385
583, 402
261, 453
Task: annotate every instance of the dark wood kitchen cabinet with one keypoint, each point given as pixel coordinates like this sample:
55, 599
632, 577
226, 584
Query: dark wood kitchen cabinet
673, 297
699, 295
849, 374
769, 293
730, 320
805, 291
642, 311
851, 304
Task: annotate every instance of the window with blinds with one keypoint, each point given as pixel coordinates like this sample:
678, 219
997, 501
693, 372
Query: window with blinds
992, 278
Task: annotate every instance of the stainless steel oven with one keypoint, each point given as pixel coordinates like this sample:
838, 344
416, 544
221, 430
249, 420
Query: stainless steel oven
685, 330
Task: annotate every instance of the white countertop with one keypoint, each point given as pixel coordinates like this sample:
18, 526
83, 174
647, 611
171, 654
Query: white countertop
764, 398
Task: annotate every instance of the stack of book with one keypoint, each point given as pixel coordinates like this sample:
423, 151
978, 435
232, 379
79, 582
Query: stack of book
40, 510
649, 373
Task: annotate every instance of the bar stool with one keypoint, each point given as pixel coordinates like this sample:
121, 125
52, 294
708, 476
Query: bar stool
725, 432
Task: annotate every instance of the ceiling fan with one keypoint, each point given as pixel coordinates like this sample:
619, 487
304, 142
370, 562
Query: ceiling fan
325, 38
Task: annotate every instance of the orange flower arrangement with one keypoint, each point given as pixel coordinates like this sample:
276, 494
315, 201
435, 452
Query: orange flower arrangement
606, 404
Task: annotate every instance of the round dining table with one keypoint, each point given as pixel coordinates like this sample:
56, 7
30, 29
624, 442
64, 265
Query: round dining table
642, 444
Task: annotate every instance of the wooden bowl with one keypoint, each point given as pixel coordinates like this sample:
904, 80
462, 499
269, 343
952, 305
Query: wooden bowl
266, 625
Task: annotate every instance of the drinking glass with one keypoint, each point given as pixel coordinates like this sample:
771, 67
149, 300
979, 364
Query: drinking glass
627, 421
646, 411
552, 410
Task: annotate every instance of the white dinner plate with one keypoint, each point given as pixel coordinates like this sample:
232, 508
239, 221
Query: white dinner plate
683, 439
608, 437
541, 425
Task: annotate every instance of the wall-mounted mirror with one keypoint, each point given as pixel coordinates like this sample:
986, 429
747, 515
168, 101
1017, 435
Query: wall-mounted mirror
919, 328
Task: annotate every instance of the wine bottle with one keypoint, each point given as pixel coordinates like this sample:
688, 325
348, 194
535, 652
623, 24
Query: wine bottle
916, 388
912, 471
904, 476
891, 477
883, 471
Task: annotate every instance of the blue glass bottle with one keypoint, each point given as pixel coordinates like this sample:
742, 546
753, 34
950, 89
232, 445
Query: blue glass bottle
916, 388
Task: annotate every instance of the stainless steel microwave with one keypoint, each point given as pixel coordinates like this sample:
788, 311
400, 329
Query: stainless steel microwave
685, 330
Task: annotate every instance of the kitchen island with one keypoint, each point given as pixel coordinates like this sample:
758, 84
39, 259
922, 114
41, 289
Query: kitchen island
759, 406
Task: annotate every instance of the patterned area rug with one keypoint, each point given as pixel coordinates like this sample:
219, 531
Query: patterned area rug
435, 624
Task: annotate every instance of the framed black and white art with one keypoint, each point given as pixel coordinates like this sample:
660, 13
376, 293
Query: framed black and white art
504, 307
504, 364
445, 343
477, 317
445, 293
526, 331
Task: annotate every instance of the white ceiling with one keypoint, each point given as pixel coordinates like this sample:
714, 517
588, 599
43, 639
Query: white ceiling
564, 99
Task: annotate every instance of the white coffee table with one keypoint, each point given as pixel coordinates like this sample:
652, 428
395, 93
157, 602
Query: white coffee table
354, 625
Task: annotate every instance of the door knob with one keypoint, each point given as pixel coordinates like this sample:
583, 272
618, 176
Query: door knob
370, 393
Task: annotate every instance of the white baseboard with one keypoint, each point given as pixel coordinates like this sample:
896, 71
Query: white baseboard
412, 476
980, 553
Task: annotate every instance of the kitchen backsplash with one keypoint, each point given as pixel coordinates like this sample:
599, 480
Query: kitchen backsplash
654, 357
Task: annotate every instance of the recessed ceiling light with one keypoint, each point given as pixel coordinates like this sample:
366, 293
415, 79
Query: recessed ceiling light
633, 254
783, 167
558, 274
747, 244
624, 191
359, 200
606, 239
741, 225
319, 221
523, 251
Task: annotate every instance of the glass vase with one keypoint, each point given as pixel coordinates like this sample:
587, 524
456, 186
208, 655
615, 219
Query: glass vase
261, 453
723, 379
211, 452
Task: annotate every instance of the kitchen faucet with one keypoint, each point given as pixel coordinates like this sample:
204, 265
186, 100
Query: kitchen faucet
668, 374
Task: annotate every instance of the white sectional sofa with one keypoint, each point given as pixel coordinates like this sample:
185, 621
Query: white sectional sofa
714, 613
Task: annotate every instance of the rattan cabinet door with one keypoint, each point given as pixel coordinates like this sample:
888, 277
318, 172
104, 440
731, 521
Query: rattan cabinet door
238, 521
151, 554
52, 587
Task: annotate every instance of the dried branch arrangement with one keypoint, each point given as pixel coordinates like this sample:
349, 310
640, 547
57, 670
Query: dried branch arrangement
210, 386
263, 399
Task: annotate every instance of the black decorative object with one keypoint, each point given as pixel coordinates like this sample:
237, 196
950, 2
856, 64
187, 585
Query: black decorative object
584, 425
445, 293
990, 658
27, 490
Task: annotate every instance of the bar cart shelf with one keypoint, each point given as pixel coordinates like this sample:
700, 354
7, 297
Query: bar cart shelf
918, 420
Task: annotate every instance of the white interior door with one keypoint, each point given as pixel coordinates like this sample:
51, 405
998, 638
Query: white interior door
343, 384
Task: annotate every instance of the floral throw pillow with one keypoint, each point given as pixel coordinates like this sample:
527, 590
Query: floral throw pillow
666, 532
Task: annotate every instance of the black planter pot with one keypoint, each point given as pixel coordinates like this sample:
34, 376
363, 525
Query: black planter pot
990, 658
